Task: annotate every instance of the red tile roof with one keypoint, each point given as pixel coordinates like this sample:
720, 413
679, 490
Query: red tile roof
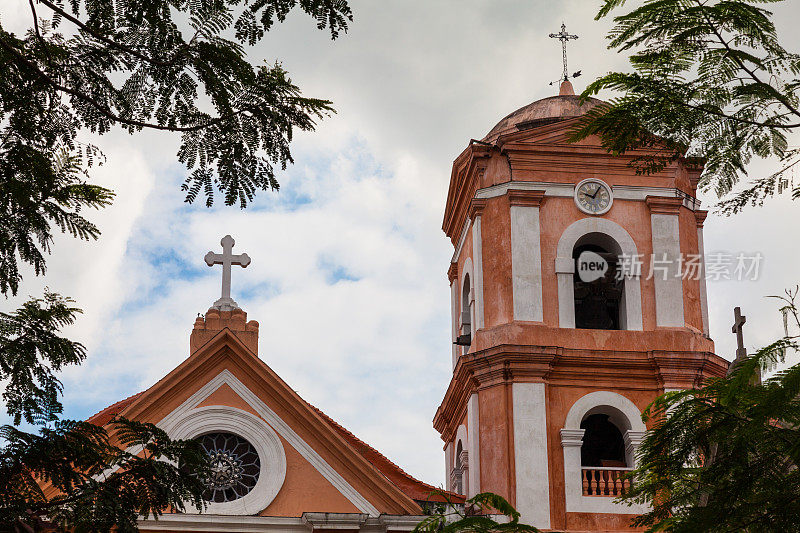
414, 488
104, 417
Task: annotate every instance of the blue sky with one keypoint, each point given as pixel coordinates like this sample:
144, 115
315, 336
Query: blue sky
348, 260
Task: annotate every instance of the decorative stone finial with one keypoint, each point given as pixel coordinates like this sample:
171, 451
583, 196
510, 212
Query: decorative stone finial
566, 89
226, 259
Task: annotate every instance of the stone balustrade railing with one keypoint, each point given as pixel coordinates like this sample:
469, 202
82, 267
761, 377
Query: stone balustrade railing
605, 481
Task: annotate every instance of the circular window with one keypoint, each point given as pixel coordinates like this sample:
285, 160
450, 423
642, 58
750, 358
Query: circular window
235, 466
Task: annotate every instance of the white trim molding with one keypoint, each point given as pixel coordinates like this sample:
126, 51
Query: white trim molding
210, 419
666, 267
526, 263
455, 319
530, 454
477, 267
474, 446
626, 416
169, 422
279, 524
567, 190
631, 305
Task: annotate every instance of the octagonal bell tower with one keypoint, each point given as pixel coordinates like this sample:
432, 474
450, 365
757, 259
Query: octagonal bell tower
578, 295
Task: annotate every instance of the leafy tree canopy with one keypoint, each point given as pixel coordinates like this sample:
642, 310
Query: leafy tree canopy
723, 457
479, 516
709, 79
173, 65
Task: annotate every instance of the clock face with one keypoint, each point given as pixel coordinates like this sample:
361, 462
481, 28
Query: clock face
593, 196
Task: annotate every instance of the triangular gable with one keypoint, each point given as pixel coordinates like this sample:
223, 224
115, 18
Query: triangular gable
225, 361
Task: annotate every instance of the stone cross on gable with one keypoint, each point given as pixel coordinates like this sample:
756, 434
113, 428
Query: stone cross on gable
226, 259
738, 323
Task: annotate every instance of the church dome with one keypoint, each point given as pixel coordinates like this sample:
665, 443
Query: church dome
545, 111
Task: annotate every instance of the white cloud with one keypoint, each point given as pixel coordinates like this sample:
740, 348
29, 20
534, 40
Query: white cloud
412, 82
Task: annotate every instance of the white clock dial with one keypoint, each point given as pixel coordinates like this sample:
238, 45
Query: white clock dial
594, 197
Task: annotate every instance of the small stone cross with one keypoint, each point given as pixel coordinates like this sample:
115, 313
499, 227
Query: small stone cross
737, 328
226, 259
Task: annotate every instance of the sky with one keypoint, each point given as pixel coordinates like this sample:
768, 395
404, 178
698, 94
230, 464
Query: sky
348, 274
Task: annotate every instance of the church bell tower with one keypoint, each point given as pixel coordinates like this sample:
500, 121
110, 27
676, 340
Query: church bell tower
578, 296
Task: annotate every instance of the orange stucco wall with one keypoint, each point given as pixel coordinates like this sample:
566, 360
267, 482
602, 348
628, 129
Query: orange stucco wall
496, 440
496, 251
304, 489
692, 311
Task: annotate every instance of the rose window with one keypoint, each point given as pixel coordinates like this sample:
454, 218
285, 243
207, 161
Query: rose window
234, 466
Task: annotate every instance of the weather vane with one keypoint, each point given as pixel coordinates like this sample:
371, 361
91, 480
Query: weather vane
563, 36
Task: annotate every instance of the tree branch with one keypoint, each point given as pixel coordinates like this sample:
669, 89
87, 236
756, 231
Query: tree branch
105, 39
778, 96
106, 111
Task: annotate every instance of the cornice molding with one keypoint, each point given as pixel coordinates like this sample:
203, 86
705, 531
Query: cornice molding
301, 524
452, 272
663, 206
525, 198
700, 217
640, 370
476, 207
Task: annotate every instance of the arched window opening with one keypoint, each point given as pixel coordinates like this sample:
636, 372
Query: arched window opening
465, 334
458, 471
603, 444
599, 303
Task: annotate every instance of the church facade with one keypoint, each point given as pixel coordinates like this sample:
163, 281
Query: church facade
561, 337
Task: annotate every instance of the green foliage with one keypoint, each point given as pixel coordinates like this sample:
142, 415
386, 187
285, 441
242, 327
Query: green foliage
709, 80
477, 519
101, 481
100, 485
31, 350
123, 63
40, 189
723, 457
129, 63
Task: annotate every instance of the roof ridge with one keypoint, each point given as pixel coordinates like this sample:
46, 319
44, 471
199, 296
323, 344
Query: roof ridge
388, 461
112, 410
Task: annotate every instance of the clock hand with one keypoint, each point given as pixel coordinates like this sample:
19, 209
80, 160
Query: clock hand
596, 191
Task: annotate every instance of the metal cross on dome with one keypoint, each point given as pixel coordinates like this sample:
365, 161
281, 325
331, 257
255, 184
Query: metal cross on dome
226, 259
563, 36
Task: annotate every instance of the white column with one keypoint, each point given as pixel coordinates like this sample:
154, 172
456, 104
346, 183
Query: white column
530, 454
668, 282
526, 263
571, 441
473, 446
632, 439
565, 270
477, 266
448, 465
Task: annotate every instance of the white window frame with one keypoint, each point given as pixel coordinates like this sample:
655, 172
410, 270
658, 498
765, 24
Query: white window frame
565, 269
627, 417
214, 419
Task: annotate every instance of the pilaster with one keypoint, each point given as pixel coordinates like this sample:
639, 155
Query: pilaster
526, 255
666, 260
